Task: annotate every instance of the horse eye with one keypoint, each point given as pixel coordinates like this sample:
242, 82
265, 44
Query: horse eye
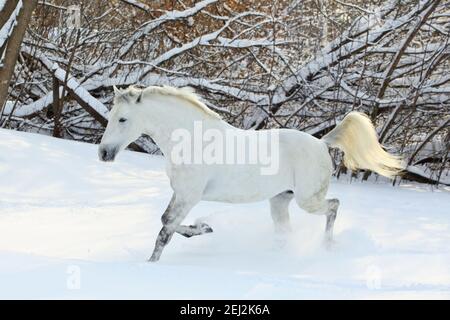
122, 120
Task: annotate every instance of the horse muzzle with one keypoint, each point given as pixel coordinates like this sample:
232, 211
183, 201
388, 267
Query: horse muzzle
107, 153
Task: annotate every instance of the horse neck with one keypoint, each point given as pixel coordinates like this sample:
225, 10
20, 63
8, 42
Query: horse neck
165, 114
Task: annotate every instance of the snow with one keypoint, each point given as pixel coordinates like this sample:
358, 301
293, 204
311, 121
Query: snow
73, 84
148, 27
47, 99
73, 227
348, 45
29, 109
202, 40
247, 43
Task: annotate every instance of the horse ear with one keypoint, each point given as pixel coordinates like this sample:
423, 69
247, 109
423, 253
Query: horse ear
116, 91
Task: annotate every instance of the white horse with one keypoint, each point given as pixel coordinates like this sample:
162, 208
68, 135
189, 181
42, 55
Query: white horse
303, 171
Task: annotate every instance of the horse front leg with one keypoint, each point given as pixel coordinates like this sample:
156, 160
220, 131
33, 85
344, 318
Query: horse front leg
172, 218
186, 231
194, 230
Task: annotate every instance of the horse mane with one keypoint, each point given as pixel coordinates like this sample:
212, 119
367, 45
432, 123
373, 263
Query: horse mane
186, 93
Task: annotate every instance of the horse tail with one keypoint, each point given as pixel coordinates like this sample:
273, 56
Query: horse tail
357, 138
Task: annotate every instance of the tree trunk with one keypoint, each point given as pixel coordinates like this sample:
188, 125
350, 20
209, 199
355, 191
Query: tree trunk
9, 48
56, 109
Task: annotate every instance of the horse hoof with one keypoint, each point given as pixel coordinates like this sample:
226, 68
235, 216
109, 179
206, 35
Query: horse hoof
329, 244
153, 259
205, 228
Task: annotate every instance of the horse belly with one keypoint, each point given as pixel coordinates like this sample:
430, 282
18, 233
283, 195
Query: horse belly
239, 185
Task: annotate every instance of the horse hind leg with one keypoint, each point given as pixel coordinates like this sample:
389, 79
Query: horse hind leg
279, 210
317, 204
333, 205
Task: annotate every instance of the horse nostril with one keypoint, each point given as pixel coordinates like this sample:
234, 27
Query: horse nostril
103, 154
107, 153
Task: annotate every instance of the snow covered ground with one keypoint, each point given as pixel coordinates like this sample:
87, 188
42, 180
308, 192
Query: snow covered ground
73, 227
